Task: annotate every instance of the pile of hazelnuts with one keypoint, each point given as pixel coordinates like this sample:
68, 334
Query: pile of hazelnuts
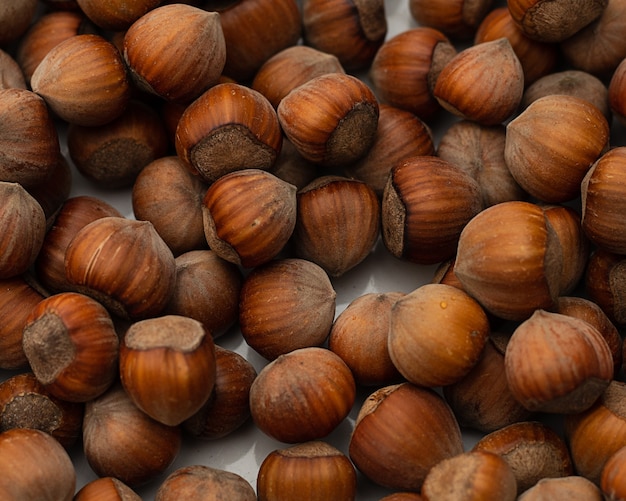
267, 152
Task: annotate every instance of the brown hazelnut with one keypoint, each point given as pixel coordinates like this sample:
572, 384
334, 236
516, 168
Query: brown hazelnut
302, 395
400, 433
426, 203
331, 119
200, 481
72, 346
604, 282
313, 470
230, 127
117, 15
573, 487
181, 74
458, 19
612, 476
284, 305
106, 488
167, 367
83, 80
483, 83
11, 74
406, 67
351, 30
15, 18
615, 93
249, 230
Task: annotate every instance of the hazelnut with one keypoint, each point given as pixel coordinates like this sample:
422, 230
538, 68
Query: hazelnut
52, 194
483, 83
117, 15
509, 259
472, 475
290, 68
121, 441
573, 487
181, 74
479, 150
51, 474
337, 223
425, 205
549, 21
615, 92
11, 73
83, 80
292, 167
24, 227
351, 30
436, 334
532, 449
284, 305
228, 406
228, 128
211, 484
72, 347
302, 395
124, 264
26, 403
458, 20
106, 488
400, 433
249, 230
612, 476
552, 144
313, 470
169, 195
331, 119
15, 20
167, 367
405, 69
604, 282
359, 336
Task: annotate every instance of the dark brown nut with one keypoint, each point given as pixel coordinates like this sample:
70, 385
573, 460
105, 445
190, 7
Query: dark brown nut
11, 74
53, 193
552, 144
15, 18
75, 213
400, 433
426, 203
482, 400
112, 155
207, 289
532, 449
572, 83
23, 224
479, 150
458, 20
249, 42
595, 435
249, 216
45, 33
290, 68
230, 127
26, 403
483, 83
337, 223
124, 264
72, 346
331, 119
604, 282
548, 21
83, 80
616, 97
557, 364
53, 478
228, 407
106, 488
472, 475
351, 30
598, 48
181, 74
121, 441
211, 484
170, 196
573, 487
167, 367
359, 335
284, 305
28, 139
313, 470
400, 135
537, 58
603, 199
117, 15
302, 395
17, 299
406, 67
293, 168
509, 259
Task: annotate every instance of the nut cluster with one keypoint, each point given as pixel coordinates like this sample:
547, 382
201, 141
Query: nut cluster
270, 152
